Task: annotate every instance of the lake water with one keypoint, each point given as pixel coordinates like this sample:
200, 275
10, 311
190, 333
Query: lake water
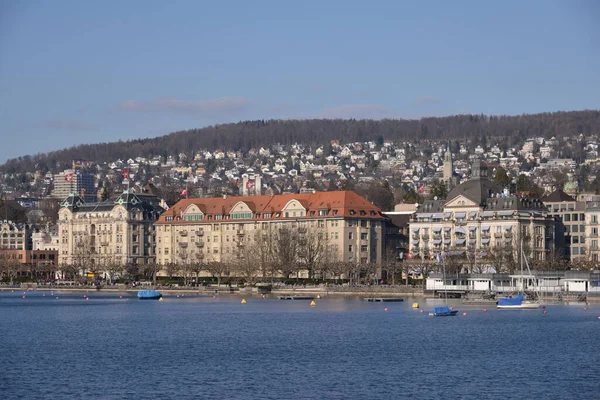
200, 347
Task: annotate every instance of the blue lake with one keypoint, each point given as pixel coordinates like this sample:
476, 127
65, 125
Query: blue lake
344, 348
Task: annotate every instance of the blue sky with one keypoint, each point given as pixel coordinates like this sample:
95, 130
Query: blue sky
76, 72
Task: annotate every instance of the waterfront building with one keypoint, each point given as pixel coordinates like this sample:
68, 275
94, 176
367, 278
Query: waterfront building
480, 224
570, 226
77, 182
292, 229
16, 246
592, 218
98, 234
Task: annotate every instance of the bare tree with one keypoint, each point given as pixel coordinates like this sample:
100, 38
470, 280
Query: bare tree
217, 269
285, 252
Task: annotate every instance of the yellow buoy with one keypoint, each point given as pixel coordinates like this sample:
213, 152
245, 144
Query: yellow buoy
243, 301
318, 296
161, 299
312, 303
415, 305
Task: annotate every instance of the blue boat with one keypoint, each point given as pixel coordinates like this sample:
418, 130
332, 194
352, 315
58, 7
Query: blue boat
443, 312
516, 303
149, 295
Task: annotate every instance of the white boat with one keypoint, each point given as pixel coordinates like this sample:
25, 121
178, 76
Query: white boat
519, 302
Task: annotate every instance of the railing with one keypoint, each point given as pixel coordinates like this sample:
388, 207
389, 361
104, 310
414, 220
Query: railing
485, 235
183, 244
497, 234
183, 233
200, 232
241, 232
508, 235
199, 244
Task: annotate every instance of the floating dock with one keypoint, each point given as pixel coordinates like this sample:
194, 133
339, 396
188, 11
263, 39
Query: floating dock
296, 298
383, 299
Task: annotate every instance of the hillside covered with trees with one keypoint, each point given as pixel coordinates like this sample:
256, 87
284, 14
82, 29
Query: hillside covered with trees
254, 134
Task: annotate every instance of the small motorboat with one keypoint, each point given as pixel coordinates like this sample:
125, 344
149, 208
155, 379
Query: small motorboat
149, 295
442, 312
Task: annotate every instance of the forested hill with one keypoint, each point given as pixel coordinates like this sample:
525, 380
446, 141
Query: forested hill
254, 134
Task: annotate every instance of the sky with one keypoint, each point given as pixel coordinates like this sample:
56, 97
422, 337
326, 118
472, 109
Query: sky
74, 72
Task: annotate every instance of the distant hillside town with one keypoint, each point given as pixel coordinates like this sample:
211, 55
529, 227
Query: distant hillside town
375, 209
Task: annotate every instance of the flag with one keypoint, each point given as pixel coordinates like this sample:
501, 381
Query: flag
69, 178
421, 189
125, 173
184, 193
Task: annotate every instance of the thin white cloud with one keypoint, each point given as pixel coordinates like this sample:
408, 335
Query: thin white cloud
69, 125
427, 100
224, 105
356, 111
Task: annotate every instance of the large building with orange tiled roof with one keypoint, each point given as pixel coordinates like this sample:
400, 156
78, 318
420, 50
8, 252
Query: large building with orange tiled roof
337, 226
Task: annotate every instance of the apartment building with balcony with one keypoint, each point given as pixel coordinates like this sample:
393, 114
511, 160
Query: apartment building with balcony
570, 224
340, 226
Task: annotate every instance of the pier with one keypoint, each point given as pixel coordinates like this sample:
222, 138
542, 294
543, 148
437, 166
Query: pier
383, 299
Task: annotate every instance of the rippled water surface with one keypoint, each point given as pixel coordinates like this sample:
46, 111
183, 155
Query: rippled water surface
200, 347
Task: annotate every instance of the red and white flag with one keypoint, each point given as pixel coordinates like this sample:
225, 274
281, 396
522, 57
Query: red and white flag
125, 173
69, 178
184, 193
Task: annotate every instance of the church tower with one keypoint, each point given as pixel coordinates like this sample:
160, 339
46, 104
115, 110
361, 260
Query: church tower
448, 167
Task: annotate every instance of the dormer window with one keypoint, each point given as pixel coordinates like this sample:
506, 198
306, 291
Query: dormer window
351, 212
322, 213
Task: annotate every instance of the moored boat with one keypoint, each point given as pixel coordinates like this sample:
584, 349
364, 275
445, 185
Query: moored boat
149, 295
516, 303
443, 312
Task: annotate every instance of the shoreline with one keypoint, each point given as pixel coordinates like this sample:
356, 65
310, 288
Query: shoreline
317, 291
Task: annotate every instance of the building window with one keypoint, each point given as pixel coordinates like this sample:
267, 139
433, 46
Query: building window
350, 235
363, 236
350, 248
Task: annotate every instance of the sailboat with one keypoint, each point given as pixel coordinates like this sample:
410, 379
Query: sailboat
444, 311
518, 302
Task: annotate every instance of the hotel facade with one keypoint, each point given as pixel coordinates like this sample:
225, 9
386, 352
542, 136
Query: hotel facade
482, 226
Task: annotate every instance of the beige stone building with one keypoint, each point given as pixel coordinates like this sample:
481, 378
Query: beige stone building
479, 224
300, 229
96, 235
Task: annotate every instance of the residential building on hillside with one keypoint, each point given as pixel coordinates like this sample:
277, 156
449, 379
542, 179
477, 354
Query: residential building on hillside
480, 224
293, 229
16, 246
96, 235
71, 182
14, 236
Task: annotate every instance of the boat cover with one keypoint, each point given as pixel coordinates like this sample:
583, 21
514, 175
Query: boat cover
148, 294
514, 301
442, 310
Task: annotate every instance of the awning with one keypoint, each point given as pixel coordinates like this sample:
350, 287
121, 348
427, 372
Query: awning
437, 241
506, 213
447, 241
438, 216
460, 230
472, 228
487, 214
485, 228
424, 215
446, 215
472, 214
447, 229
436, 229
485, 241
524, 214
460, 214
460, 241
415, 229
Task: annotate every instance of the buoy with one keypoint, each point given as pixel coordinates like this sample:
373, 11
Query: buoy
544, 312
161, 299
87, 298
214, 297
23, 296
312, 303
464, 314
243, 301
120, 297
543, 306
318, 297
84, 296
452, 308
415, 305
56, 297
421, 311
177, 296
485, 310
385, 309
44, 295
584, 308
